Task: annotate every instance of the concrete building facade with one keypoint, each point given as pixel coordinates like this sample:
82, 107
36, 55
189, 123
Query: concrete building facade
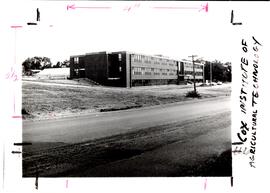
126, 69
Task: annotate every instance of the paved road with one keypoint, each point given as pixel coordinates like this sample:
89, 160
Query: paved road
87, 127
183, 139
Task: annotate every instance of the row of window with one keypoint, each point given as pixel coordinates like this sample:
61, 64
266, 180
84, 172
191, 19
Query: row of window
187, 64
153, 60
161, 61
191, 69
196, 73
152, 71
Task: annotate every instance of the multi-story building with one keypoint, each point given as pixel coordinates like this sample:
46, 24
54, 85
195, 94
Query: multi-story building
128, 69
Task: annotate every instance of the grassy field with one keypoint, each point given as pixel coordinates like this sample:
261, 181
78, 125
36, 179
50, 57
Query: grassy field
45, 100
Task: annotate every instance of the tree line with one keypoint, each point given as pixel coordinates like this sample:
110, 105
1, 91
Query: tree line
220, 71
40, 63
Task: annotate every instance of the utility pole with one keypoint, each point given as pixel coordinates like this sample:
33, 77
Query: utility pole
194, 78
203, 73
211, 73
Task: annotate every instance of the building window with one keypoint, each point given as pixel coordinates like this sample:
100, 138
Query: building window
119, 57
137, 58
136, 71
76, 60
156, 71
148, 71
164, 71
76, 72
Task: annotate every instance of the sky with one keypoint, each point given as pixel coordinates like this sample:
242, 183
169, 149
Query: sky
176, 33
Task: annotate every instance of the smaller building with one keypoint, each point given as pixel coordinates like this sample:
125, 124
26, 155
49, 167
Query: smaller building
53, 73
187, 74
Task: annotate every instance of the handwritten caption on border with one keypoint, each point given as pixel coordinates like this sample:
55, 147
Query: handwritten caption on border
249, 98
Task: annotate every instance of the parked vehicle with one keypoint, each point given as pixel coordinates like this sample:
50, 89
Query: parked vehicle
213, 84
219, 83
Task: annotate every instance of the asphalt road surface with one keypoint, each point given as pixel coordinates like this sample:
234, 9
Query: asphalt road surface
184, 139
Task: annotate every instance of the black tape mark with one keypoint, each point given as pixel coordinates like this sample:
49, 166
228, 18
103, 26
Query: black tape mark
236, 151
31, 23
38, 15
22, 144
232, 17
37, 18
36, 181
16, 152
237, 143
231, 181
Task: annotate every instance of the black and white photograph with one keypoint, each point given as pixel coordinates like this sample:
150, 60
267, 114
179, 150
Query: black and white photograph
134, 96
127, 95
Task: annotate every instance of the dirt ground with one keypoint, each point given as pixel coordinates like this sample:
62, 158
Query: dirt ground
52, 99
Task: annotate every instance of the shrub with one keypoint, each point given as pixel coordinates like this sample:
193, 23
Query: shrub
193, 94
